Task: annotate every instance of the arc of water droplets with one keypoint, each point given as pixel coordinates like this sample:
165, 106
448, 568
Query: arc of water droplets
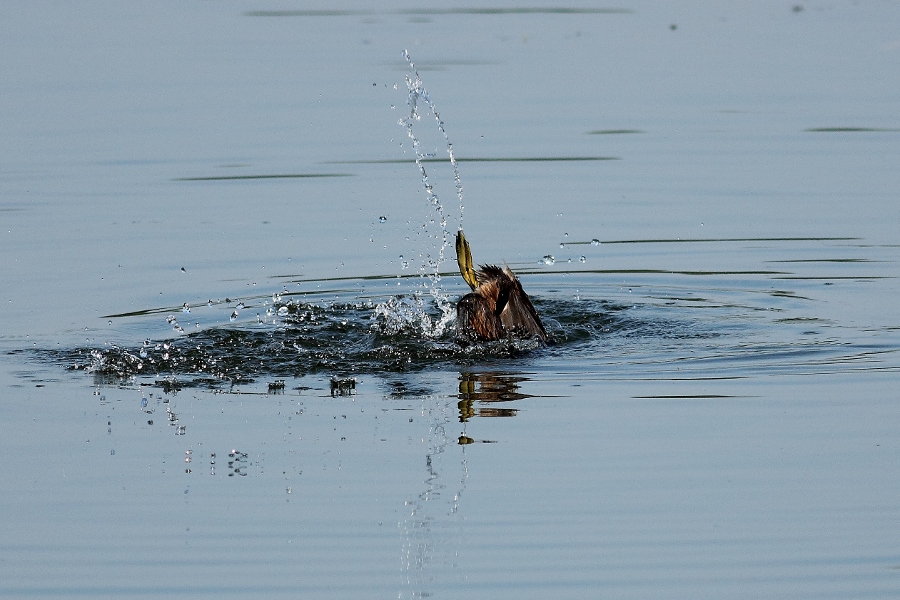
417, 93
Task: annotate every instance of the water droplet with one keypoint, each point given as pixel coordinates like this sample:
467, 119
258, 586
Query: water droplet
382, 219
595, 242
548, 260
186, 308
562, 245
583, 259
234, 315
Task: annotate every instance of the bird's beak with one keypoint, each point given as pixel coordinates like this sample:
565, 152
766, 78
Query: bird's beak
464, 260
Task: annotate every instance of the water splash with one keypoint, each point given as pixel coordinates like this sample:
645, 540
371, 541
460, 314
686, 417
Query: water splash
431, 267
417, 97
408, 314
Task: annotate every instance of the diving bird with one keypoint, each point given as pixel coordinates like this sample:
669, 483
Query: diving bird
497, 307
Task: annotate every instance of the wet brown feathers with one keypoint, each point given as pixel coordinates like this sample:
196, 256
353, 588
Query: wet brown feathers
497, 307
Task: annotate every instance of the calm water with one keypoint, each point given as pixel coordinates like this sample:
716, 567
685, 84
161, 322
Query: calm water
227, 363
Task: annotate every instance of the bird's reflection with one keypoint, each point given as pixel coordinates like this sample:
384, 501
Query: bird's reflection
486, 388
433, 525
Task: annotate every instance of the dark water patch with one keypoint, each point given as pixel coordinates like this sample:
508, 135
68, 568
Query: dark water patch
527, 271
690, 397
500, 159
835, 277
708, 336
851, 130
682, 299
544, 10
614, 131
273, 176
786, 294
710, 240
825, 260
663, 331
539, 10
801, 320
341, 339
400, 335
306, 13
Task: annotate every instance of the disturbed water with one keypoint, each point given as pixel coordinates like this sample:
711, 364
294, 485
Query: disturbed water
228, 359
733, 324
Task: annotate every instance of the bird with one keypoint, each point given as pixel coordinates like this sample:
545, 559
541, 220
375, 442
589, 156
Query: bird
497, 306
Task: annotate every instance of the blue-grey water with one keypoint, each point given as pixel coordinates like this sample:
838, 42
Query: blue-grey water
228, 367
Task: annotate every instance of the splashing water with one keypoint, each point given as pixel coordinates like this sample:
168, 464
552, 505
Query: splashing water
402, 313
417, 96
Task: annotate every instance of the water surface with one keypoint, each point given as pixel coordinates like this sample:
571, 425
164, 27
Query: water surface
228, 362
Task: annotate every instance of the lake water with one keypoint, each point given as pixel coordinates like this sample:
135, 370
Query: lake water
226, 367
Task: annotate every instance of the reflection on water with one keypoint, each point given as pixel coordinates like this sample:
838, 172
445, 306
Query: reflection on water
431, 523
483, 388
